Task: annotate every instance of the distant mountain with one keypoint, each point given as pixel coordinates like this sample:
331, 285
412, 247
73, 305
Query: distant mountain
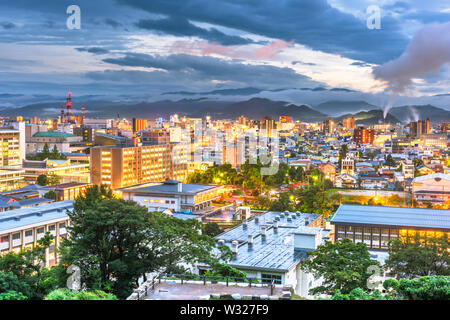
368, 118
254, 108
414, 113
257, 108
338, 108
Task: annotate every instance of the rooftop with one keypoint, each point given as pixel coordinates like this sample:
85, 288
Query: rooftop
169, 187
393, 216
38, 214
437, 176
53, 135
275, 251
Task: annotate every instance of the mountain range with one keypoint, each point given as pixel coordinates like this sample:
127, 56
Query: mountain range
254, 108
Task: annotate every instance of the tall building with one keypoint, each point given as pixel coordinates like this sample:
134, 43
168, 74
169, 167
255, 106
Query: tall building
348, 123
328, 127
11, 153
139, 124
122, 166
363, 135
419, 128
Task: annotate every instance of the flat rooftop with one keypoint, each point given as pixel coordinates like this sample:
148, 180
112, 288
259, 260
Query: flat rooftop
20, 218
392, 216
169, 188
274, 252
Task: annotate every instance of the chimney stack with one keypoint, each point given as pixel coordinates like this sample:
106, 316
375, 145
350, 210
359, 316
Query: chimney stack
180, 187
235, 245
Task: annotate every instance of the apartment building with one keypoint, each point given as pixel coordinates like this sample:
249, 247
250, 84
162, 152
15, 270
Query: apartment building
22, 228
126, 165
10, 154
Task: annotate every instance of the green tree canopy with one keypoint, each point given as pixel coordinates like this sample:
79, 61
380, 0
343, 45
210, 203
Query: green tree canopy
423, 288
343, 266
115, 242
416, 257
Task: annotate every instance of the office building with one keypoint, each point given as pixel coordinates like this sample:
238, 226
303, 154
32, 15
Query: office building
363, 135
11, 153
123, 166
376, 225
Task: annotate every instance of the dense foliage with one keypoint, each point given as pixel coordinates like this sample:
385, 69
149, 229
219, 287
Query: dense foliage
343, 266
415, 257
66, 294
115, 242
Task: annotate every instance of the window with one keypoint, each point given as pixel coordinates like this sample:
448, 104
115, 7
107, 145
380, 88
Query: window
62, 225
52, 228
268, 278
4, 239
28, 233
16, 236
40, 230
375, 237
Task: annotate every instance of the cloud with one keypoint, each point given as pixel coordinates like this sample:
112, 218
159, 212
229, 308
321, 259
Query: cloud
428, 51
180, 26
113, 23
7, 25
205, 71
255, 52
312, 23
93, 50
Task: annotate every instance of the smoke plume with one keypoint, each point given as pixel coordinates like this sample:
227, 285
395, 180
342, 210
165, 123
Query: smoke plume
428, 50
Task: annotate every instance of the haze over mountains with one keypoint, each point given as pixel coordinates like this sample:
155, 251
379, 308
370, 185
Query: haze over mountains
306, 104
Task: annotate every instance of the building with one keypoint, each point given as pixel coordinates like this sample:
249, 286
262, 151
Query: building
329, 171
434, 140
432, 188
376, 225
22, 228
419, 128
348, 123
64, 169
123, 166
65, 191
328, 127
174, 195
10, 152
408, 169
61, 140
363, 135
348, 166
272, 246
11, 179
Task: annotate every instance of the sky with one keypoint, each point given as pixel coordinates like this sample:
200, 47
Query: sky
149, 48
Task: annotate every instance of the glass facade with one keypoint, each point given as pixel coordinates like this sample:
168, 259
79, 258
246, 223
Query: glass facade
378, 238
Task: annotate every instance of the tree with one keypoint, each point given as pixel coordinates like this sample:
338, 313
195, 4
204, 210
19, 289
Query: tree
11, 288
423, 288
45, 151
50, 179
66, 294
42, 180
28, 267
50, 195
360, 294
212, 229
343, 266
389, 161
342, 154
115, 242
411, 257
